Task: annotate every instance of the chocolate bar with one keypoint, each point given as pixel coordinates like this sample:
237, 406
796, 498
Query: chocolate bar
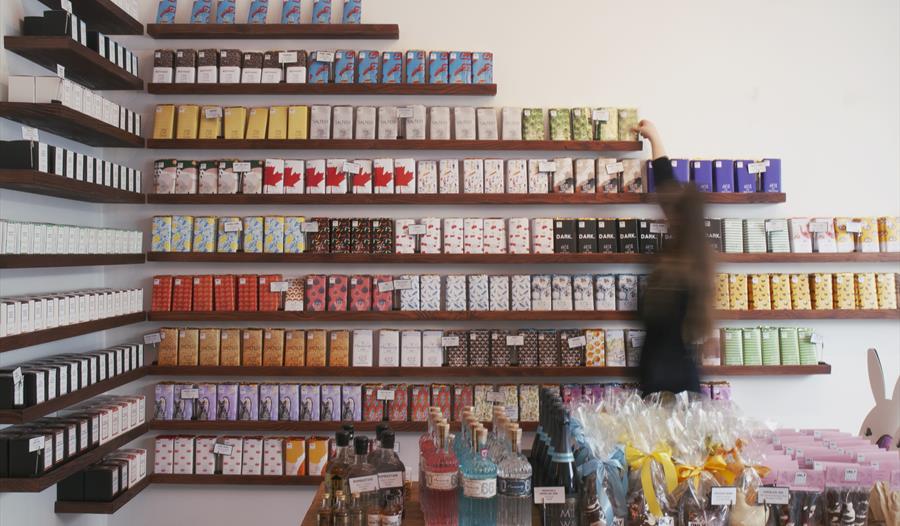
564, 236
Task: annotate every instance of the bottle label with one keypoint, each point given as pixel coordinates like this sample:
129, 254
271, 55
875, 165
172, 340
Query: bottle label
391, 520
514, 487
566, 514
373, 519
441, 481
391, 479
479, 488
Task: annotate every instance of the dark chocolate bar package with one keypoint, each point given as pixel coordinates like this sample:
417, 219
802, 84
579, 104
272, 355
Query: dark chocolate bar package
500, 351
572, 344
319, 241
361, 236
456, 347
564, 241
526, 355
383, 236
627, 233
341, 235
186, 58
207, 57
252, 59
649, 237
479, 348
548, 348
586, 230
713, 232
607, 236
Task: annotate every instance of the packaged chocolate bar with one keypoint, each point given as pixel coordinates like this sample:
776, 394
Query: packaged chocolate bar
561, 290
294, 347
251, 175
392, 67
539, 175
248, 400
738, 295
226, 401
533, 124
273, 348
316, 347
295, 455
548, 348
251, 347
373, 408
230, 347
628, 119
310, 403
626, 292
289, 402
460, 67
564, 236
351, 403
320, 69
560, 124
339, 348
456, 347
463, 396
605, 124
478, 292
501, 351
438, 67
498, 293
331, 403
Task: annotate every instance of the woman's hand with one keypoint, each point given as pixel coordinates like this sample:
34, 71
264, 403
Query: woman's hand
648, 129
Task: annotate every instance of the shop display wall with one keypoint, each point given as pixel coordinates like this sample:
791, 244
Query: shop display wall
756, 81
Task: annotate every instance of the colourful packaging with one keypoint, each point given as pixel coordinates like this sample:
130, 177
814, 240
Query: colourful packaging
165, 13
460, 67
781, 291
201, 11
253, 234
886, 285
351, 403
352, 13
290, 12
392, 67
224, 12
822, 292
344, 66
182, 233
368, 67
438, 67
737, 292
321, 15
295, 456
760, 293
161, 239
866, 291
259, 9
844, 291
482, 68
801, 298
415, 67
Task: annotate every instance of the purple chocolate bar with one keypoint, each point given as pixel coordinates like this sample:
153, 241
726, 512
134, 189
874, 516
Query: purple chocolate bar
206, 402
309, 402
723, 175
268, 401
331, 403
165, 394
226, 402
771, 178
183, 408
746, 182
681, 170
289, 402
651, 178
248, 395
702, 175
351, 403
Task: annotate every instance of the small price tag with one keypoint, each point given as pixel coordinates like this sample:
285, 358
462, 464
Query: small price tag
851, 474
495, 396
853, 226
153, 337
404, 112
449, 341
547, 166
800, 478
417, 230
324, 56
309, 226
66, 5
614, 168
815, 338
212, 112
36, 444
352, 168
190, 394
659, 228
637, 340
860, 458
666, 521
232, 226
756, 168
287, 56
600, 115
278, 286
549, 495
818, 465
60, 71
818, 226
402, 284
29, 133
385, 394
242, 166
386, 286
17, 375
774, 226
223, 449
361, 485
577, 341
773, 495
723, 496
391, 479
515, 340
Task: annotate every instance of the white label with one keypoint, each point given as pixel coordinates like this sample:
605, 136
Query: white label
852, 226
851, 475
223, 449
391, 479
441, 481
723, 496
364, 484
449, 341
614, 168
66, 5
17, 375
578, 341
515, 340
659, 228
404, 112
232, 226
666, 521
549, 495
212, 113
278, 286
352, 168
770, 495
800, 478
772, 226
190, 394
403, 284
309, 226
153, 337
36, 444
29, 133
385, 394
600, 115
818, 226
495, 396
385, 286
756, 168
241, 167
417, 230
547, 166
479, 488
60, 71
287, 56
325, 56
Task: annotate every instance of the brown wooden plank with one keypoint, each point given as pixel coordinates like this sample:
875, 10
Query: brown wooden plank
103, 16
399, 144
66, 122
242, 480
276, 31
68, 260
303, 427
854, 314
103, 508
852, 257
391, 316
35, 182
83, 64
11, 343
37, 484
323, 89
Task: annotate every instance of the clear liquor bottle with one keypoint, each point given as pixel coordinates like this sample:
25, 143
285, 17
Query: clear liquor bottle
562, 474
392, 512
340, 513
442, 480
391, 471
337, 467
356, 513
363, 480
514, 485
325, 517
479, 482
376, 444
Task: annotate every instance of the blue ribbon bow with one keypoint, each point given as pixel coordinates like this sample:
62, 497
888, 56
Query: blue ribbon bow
613, 469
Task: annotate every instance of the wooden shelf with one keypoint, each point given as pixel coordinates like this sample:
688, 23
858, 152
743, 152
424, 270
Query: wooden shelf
68, 260
240, 480
37, 484
323, 89
290, 426
66, 122
83, 65
102, 508
11, 343
470, 372
21, 416
399, 144
329, 316
275, 31
35, 182
852, 257
103, 16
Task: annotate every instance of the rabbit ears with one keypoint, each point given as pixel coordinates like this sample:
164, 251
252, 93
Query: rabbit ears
876, 378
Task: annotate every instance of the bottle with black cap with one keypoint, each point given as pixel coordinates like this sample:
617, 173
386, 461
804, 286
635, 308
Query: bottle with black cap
338, 467
363, 480
376, 444
390, 469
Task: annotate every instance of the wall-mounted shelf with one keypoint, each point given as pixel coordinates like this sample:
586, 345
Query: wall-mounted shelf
239, 480
11, 343
470, 372
83, 65
290, 426
68, 260
103, 508
35, 182
399, 144
103, 16
323, 89
275, 31
21, 416
855, 314
66, 122
37, 484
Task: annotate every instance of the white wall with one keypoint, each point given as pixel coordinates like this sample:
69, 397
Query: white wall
813, 82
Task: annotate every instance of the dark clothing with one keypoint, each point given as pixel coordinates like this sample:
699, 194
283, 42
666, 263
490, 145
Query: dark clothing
667, 363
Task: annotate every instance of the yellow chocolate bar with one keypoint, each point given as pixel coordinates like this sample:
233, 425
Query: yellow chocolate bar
235, 122
867, 239
889, 234
844, 291
315, 348
188, 115
278, 122
822, 296
188, 346
164, 122
210, 128
737, 291
722, 296
298, 122
760, 294
866, 291
800, 295
167, 351
339, 353
886, 285
781, 291
230, 347
257, 122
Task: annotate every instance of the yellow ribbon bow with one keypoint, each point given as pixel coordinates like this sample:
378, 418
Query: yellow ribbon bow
715, 464
640, 460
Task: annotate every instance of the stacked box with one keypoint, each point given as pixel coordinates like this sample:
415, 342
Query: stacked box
527, 354
528, 403
732, 341
273, 240
494, 237
251, 347
310, 402
560, 124
315, 299
230, 347
227, 401
294, 348
161, 239
473, 176
430, 241
330, 410
229, 235
473, 235
404, 242
456, 346
889, 234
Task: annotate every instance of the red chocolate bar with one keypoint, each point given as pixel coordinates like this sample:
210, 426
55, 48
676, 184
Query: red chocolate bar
247, 293
341, 236
440, 397
463, 396
382, 300
315, 292
161, 300
373, 408
269, 300
360, 236
182, 293
224, 292
398, 408
203, 293
360, 293
383, 236
337, 293
420, 400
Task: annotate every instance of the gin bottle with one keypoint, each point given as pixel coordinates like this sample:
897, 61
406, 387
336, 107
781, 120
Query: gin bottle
391, 471
479, 482
442, 480
514, 485
336, 470
363, 480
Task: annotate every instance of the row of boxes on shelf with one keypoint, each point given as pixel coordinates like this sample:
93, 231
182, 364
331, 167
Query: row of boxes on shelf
23, 314
37, 381
344, 66
225, 12
390, 122
105, 480
408, 292
765, 346
31, 450
817, 291
813, 450
56, 160
400, 348
805, 235
240, 455
23, 237
44, 90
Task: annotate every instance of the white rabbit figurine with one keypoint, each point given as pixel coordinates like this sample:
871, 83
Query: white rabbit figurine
882, 424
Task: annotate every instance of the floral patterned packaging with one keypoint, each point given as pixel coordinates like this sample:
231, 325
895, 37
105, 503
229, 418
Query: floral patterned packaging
455, 287
561, 292
520, 292
541, 292
595, 349
499, 293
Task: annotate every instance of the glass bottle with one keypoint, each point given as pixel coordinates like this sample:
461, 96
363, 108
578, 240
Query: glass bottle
324, 515
357, 515
362, 480
442, 480
514, 485
376, 444
392, 512
562, 473
337, 467
479, 482
340, 514
591, 514
391, 471
426, 446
